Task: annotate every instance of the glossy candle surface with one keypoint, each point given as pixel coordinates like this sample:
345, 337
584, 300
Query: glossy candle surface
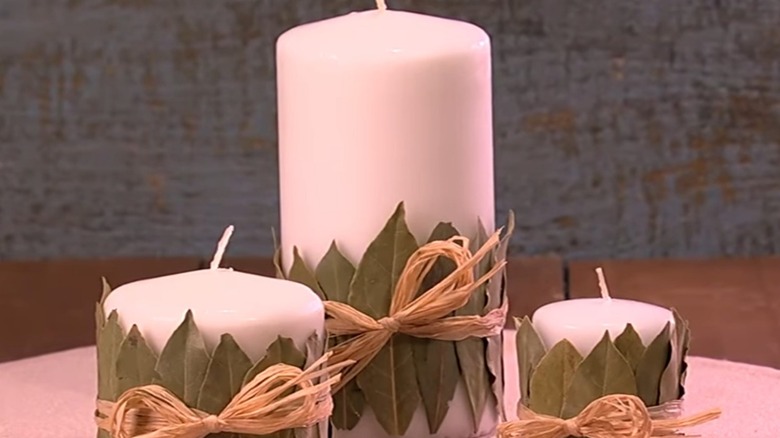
375, 108
584, 321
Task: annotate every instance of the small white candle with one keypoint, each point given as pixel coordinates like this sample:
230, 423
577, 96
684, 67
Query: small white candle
255, 310
375, 108
584, 321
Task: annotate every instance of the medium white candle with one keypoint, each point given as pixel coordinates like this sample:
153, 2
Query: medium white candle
375, 108
584, 321
254, 309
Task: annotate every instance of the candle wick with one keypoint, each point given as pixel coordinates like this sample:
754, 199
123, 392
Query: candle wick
603, 284
221, 246
381, 5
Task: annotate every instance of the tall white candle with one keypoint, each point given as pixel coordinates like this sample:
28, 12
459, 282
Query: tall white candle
584, 321
254, 309
375, 108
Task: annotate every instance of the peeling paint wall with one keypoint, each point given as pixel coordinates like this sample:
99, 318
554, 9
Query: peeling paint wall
624, 128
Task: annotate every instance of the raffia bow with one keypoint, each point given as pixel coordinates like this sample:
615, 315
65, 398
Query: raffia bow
268, 403
611, 416
424, 316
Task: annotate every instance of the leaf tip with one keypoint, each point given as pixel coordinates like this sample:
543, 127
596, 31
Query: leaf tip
106, 290
113, 316
189, 319
134, 332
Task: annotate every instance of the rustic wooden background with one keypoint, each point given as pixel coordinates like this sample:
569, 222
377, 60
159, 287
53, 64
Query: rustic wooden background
624, 128
733, 305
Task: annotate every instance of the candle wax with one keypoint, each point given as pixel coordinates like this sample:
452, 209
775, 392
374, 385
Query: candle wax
255, 310
584, 321
376, 108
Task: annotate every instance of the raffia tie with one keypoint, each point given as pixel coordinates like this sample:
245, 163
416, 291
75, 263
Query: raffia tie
279, 398
424, 316
611, 416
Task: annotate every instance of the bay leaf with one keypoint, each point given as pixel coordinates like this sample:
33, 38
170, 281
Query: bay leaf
100, 313
108, 344
390, 386
530, 351
472, 361
100, 321
435, 361
673, 378
348, 406
651, 367
224, 375
496, 285
282, 350
496, 297
334, 275
377, 273
437, 377
300, 273
552, 377
472, 351
106, 290
389, 382
277, 260
684, 361
135, 362
603, 372
183, 362
313, 349
629, 344
277, 257
443, 266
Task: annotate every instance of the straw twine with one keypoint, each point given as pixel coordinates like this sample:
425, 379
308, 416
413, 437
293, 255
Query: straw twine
424, 316
611, 416
279, 398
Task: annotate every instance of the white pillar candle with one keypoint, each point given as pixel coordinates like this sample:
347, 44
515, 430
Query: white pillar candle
375, 108
584, 321
255, 310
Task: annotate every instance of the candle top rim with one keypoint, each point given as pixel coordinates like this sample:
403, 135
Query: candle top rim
373, 34
212, 293
617, 307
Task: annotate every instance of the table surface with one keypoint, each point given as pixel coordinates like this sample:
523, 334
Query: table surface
52, 396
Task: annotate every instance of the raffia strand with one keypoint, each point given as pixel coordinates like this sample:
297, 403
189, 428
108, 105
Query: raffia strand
423, 316
611, 416
280, 397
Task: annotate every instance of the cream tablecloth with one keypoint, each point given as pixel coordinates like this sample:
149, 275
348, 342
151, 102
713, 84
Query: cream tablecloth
52, 396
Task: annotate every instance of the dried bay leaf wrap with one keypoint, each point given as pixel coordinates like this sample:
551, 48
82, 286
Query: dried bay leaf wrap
560, 383
203, 380
407, 371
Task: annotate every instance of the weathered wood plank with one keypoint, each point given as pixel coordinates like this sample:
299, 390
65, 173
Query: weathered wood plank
49, 306
733, 304
61, 295
533, 282
624, 128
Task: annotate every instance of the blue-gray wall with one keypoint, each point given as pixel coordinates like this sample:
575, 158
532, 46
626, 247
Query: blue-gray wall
624, 128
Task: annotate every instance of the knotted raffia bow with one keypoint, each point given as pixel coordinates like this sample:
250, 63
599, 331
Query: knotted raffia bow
611, 416
424, 316
268, 403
